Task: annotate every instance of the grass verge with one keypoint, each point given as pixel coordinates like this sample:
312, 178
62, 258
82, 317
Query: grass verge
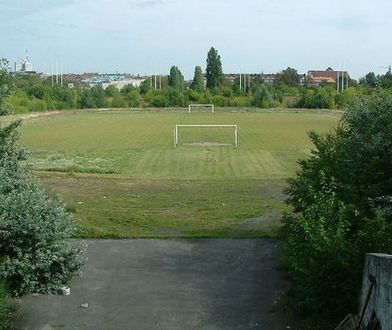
107, 207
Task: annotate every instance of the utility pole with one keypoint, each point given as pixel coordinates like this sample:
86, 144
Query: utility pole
244, 79
337, 82
155, 77
57, 72
343, 72
240, 79
52, 73
61, 73
347, 80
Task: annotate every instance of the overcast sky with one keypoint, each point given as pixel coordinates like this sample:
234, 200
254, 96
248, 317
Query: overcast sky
137, 36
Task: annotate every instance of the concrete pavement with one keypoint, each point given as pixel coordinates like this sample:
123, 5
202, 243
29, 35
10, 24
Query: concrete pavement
167, 284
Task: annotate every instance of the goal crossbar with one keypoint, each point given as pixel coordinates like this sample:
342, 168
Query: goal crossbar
176, 129
200, 106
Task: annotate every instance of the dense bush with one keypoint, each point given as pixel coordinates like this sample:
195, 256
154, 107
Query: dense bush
35, 250
319, 98
133, 98
261, 98
342, 208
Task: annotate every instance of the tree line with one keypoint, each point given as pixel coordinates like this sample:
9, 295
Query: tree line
32, 93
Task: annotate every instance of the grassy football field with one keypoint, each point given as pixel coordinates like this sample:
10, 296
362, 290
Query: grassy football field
121, 176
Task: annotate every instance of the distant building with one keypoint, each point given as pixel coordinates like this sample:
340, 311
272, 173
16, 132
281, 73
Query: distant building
117, 80
119, 84
316, 78
24, 66
269, 78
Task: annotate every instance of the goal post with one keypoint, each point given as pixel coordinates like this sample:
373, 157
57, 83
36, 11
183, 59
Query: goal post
233, 128
190, 106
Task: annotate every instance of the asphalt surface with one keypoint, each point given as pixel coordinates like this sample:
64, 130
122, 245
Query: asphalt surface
167, 284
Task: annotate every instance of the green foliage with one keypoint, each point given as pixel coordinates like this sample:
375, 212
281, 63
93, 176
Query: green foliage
98, 94
319, 98
35, 249
386, 79
288, 77
145, 86
156, 98
111, 91
6, 82
370, 80
87, 100
239, 101
30, 93
133, 98
261, 97
194, 96
214, 73
345, 97
169, 97
176, 79
174, 97
219, 100
118, 101
342, 199
197, 82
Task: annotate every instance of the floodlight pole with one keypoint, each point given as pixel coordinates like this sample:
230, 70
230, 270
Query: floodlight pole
347, 81
52, 73
337, 82
342, 80
240, 80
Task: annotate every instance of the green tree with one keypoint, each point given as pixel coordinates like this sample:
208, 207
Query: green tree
386, 79
118, 101
176, 79
87, 100
214, 73
370, 80
133, 97
261, 97
111, 91
342, 203
145, 86
319, 98
197, 82
288, 77
6, 84
35, 231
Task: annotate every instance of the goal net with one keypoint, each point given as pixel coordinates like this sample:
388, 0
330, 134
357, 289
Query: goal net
208, 107
207, 135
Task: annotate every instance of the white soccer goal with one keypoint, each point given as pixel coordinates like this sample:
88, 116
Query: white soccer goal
206, 135
200, 106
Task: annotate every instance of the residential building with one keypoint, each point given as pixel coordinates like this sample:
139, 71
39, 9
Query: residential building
316, 78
